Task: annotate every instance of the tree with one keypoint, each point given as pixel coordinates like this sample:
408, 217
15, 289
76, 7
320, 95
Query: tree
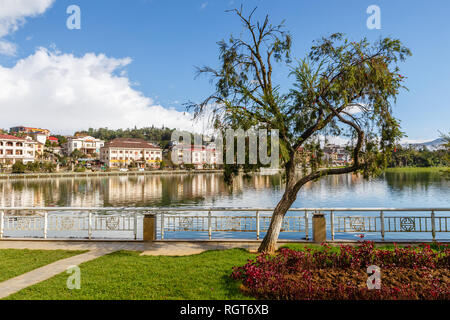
77, 154
341, 88
18, 167
446, 138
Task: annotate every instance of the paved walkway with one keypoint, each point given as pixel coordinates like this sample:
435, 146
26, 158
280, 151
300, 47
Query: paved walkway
165, 248
18, 283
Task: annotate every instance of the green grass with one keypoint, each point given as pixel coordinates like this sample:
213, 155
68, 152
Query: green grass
417, 169
127, 275
14, 262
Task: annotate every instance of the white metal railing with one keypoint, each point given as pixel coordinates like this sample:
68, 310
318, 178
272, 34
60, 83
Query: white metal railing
90, 222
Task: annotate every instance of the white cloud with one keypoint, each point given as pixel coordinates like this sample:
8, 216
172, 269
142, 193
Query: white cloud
13, 14
7, 48
65, 93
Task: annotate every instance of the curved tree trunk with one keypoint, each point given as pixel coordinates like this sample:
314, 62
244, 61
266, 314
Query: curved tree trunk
269, 242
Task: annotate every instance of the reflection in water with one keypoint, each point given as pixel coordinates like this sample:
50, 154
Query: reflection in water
420, 180
404, 189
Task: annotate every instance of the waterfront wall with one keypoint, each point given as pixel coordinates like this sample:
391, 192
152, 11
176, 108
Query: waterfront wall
100, 174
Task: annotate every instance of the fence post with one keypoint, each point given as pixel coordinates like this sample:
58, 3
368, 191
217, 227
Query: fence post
135, 225
45, 224
162, 226
2, 223
306, 225
332, 224
257, 225
209, 225
90, 225
433, 225
149, 224
382, 224
319, 227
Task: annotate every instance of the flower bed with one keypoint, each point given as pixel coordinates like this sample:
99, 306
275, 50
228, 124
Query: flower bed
406, 273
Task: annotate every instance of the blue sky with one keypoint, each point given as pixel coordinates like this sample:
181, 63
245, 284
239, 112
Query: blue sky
167, 39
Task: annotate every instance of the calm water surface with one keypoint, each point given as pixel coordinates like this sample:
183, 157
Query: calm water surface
399, 189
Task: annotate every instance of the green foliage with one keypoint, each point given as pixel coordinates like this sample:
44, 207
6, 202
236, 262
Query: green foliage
341, 88
61, 139
79, 169
409, 157
40, 167
160, 135
77, 154
18, 167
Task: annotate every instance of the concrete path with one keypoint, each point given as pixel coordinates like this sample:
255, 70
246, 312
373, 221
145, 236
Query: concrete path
165, 248
18, 283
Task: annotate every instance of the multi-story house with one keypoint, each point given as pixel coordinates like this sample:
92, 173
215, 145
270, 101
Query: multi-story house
86, 144
13, 149
122, 152
38, 149
335, 155
199, 156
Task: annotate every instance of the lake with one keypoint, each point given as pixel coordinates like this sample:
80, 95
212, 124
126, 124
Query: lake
392, 189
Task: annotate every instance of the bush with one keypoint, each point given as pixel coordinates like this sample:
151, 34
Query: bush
407, 273
18, 167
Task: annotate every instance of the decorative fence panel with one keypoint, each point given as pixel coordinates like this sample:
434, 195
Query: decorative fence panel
126, 223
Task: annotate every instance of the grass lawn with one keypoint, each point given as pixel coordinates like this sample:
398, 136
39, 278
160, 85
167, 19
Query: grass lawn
127, 275
14, 262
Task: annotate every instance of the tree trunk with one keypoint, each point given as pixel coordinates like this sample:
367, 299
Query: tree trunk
268, 245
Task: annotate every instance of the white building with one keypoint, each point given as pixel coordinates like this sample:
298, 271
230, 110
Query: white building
13, 149
88, 145
336, 155
122, 152
196, 155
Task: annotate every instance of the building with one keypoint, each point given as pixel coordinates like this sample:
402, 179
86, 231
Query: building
53, 140
39, 137
13, 149
29, 130
38, 149
122, 152
199, 156
86, 144
335, 155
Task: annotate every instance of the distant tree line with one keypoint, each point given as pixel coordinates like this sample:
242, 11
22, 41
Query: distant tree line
158, 135
409, 157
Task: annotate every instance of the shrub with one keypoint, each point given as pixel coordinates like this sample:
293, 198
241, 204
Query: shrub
18, 167
407, 273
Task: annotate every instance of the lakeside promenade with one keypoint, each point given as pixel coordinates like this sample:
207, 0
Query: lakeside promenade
21, 176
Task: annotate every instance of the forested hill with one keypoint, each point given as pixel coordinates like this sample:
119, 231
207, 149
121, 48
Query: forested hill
160, 136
